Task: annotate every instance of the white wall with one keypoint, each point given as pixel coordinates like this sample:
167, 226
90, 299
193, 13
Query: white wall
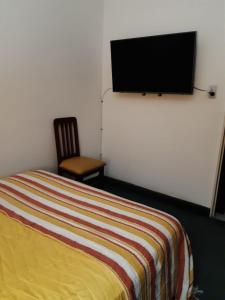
50, 66
168, 144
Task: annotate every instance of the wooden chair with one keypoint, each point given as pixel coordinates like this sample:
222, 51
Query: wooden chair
68, 151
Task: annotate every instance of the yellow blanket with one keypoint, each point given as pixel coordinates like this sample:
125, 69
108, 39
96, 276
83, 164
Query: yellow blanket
36, 267
60, 240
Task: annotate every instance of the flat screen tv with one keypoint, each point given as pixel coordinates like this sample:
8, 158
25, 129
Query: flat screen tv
154, 64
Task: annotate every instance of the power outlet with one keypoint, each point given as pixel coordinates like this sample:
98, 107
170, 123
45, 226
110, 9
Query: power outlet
212, 91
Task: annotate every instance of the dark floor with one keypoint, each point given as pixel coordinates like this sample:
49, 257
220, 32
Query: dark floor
207, 235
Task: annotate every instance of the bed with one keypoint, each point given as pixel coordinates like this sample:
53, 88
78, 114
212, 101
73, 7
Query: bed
64, 240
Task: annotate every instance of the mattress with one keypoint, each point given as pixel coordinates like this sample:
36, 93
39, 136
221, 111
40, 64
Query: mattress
61, 239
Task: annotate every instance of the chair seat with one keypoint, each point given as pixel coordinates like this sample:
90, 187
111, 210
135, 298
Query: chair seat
81, 165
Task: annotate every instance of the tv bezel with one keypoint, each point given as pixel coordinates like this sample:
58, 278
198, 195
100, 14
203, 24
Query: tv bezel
191, 92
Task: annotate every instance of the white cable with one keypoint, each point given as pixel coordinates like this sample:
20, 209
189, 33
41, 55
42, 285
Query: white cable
196, 292
101, 125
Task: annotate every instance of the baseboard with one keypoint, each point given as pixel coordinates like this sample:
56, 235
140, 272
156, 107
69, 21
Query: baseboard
162, 197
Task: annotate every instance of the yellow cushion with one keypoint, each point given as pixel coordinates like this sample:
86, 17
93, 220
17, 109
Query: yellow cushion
81, 165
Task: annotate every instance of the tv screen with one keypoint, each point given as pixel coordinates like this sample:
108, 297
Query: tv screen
155, 64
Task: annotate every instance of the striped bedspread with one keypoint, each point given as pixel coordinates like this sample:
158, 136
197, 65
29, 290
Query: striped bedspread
60, 239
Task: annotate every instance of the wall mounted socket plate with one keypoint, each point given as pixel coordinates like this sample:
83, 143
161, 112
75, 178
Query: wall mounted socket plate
212, 91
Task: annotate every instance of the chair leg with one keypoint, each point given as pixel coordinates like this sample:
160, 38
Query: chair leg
60, 172
101, 172
79, 178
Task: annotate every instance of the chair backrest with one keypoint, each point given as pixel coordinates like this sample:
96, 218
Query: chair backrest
66, 138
